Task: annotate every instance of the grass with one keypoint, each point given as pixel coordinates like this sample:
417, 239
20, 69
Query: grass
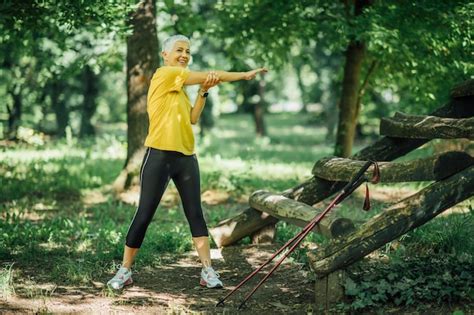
47, 213
6, 281
445, 235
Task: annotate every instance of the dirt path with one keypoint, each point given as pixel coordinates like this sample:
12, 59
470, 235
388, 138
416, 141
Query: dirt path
174, 288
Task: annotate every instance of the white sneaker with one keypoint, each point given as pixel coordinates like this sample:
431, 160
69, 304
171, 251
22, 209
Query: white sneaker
210, 278
121, 279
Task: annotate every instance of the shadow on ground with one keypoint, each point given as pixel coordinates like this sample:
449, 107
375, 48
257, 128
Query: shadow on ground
174, 287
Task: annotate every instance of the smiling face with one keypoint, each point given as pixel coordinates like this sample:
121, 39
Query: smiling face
178, 56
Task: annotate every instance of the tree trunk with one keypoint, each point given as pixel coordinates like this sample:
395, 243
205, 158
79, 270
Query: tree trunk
59, 107
428, 169
206, 121
14, 112
248, 89
332, 112
350, 92
394, 222
259, 111
348, 104
427, 127
304, 94
89, 108
316, 189
142, 61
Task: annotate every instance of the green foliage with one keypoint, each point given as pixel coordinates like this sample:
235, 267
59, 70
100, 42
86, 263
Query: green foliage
429, 279
451, 234
45, 46
421, 49
50, 172
423, 46
431, 264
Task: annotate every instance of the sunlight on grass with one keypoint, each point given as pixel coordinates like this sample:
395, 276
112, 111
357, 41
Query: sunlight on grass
6, 281
257, 169
111, 152
288, 141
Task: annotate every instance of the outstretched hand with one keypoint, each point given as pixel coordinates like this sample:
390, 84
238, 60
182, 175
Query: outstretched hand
211, 81
249, 75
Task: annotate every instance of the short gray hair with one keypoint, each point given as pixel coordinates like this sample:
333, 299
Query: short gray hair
170, 41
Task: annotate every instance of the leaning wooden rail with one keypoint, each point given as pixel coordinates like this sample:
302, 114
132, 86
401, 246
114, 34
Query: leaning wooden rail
427, 127
394, 222
433, 168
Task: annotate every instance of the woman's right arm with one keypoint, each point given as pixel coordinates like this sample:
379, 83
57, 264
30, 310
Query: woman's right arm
224, 76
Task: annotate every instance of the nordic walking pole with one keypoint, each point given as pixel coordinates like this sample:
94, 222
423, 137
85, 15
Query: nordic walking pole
287, 244
301, 237
221, 302
346, 191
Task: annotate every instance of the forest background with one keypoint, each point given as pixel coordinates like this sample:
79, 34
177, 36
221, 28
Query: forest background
71, 124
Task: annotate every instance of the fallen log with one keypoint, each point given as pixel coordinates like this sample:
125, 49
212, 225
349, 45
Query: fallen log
427, 127
235, 228
315, 189
433, 168
265, 235
300, 214
394, 222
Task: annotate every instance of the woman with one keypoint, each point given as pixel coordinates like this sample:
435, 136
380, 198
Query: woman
170, 153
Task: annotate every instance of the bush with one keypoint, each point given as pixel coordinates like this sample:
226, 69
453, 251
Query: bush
414, 280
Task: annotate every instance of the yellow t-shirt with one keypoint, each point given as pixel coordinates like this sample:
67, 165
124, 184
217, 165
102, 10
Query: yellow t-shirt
169, 112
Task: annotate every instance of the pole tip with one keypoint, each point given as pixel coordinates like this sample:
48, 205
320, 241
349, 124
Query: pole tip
241, 306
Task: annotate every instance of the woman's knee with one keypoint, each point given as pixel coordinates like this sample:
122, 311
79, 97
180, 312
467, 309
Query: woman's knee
198, 226
199, 231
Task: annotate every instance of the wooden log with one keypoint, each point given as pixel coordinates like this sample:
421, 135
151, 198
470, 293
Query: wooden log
329, 290
385, 149
427, 127
265, 235
465, 88
432, 168
299, 213
236, 228
315, 189
394, 222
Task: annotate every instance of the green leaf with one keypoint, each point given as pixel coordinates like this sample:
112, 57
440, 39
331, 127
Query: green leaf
351, 287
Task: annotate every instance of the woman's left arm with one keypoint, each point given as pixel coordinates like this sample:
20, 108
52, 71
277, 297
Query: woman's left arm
211, 81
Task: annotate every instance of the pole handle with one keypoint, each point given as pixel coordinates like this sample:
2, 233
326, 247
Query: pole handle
356, 178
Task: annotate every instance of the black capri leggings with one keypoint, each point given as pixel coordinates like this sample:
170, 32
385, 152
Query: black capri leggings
158, 168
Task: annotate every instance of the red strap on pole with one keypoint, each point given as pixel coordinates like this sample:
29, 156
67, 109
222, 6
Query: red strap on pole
374, 180
366, 206
376, 175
